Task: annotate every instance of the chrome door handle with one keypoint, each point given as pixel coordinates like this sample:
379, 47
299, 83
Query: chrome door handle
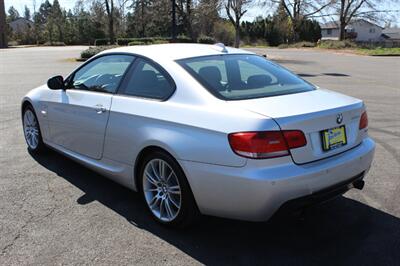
100, 108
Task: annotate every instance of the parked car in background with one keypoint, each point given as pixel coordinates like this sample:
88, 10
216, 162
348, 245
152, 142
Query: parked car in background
203, 129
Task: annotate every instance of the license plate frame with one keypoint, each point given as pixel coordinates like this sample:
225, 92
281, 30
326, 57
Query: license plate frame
333, 138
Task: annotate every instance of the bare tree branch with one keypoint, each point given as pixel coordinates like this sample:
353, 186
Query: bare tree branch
235, 9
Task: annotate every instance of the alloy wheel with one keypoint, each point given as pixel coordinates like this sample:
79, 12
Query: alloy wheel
31, 129
162, 190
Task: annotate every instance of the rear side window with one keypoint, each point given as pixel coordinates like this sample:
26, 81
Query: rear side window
238, 77
148, 81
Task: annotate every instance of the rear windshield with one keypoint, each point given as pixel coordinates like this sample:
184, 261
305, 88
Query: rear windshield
238, 77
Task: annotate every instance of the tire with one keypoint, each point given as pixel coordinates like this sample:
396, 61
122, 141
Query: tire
32, 133
166, 192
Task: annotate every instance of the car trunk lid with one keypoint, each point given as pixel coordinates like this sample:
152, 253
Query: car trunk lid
312, 112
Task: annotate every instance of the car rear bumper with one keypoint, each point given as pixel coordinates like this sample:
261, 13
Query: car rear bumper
256, 191
323, 195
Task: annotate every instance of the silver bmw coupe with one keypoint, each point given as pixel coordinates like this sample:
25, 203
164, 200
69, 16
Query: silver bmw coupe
203, 129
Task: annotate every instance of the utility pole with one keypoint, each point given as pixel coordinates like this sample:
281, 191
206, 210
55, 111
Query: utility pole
173, 20
3, 26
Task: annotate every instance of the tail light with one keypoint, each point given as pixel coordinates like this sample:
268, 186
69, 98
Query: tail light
266, 144
294, 138
363, 120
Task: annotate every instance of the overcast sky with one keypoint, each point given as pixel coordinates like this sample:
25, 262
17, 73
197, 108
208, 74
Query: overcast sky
250, 15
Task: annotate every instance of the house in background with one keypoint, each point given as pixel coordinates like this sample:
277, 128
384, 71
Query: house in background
391, 37
330, 30
359, 30
21, 25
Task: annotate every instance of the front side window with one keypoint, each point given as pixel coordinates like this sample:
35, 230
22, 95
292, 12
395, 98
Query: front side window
147, 81
329, 31
237, 77
102, 74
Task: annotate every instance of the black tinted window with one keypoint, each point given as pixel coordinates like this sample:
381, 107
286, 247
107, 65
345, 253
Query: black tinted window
148, 81
102, 74
236, 77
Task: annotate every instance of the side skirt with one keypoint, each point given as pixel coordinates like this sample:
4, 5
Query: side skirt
116, 171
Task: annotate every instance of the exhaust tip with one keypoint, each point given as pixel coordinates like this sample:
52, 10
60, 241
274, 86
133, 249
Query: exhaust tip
359, 184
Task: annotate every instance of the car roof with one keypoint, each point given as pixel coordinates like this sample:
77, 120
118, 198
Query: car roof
176, 51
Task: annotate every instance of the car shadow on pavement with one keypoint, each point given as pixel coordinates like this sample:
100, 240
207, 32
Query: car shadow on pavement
342, 231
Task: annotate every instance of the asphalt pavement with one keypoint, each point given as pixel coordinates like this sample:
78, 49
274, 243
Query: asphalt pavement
54, 211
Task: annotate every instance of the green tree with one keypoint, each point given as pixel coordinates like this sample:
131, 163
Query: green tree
139, 20
310, 31
208, 15
224, 32
13, 14
160, 19
42, 23
27, 13
185, 12
57, 21
85, 26
299, 10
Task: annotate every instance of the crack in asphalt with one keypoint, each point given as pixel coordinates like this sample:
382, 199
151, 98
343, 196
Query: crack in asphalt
30, 220
393, 152
389, 148
395, 134
16, 237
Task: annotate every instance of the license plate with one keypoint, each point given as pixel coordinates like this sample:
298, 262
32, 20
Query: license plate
333, 138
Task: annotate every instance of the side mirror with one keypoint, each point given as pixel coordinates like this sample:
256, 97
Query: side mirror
56, 83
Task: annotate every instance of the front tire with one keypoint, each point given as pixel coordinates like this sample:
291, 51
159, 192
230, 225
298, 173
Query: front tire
32, 133
166, 191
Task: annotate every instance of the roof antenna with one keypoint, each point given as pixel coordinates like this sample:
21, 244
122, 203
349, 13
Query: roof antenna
222, 46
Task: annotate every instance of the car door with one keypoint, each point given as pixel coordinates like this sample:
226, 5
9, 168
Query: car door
140, 96
78, 116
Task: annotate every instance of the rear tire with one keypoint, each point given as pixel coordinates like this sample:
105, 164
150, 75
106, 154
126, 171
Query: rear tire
32, 133
166, 191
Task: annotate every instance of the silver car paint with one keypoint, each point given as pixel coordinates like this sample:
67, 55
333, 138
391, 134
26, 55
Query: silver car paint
255, 191
193, 126
77, 121
312, 112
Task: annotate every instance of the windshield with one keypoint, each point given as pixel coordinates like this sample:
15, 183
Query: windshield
238, 77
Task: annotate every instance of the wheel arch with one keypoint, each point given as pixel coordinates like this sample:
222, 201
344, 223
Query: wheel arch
25, 103
139, 158
141, 155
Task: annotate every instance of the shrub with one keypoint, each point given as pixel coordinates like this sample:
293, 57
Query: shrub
54, 44
206, 40
91, 51
125, 41
101, 42
297, 45
255, 43
184, 39
303, 44
161, 41
128, 41
224, 32
136, 43
146, 40
332, 44
283, 46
